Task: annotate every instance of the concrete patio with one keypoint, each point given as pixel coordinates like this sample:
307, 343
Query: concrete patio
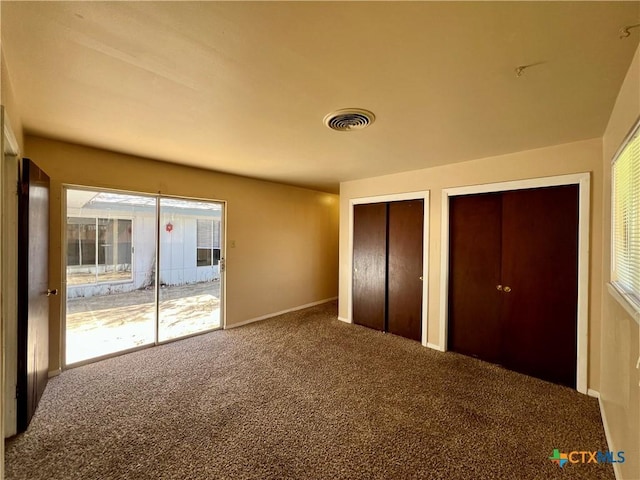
100, 325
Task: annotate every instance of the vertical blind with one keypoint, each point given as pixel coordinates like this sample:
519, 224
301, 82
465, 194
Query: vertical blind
625, 262
208, 234
205, 233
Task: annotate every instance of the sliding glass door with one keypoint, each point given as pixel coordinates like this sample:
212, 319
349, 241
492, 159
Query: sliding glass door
190, 269
140, 270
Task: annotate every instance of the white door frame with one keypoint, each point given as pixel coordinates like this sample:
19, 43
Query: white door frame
422, 195
583, 182
9, 248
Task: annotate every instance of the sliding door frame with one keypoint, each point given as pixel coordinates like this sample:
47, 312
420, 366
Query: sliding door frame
583, 180
63, 290
420, 195
222, 267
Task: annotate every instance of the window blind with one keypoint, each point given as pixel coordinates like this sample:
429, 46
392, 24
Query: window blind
216, 234
205, 234
625, 262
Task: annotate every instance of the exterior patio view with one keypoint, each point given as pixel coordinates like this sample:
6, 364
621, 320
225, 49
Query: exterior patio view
114, 244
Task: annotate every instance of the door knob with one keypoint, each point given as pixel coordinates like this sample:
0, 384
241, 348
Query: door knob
421, 278
52, 292
499, 287
507, 289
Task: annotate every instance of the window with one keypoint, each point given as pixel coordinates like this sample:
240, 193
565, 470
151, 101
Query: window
81, 241
98, 249
208, 243
625, 262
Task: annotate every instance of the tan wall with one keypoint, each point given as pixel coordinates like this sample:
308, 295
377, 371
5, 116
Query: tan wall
13, 119
619, 385
7, 99
286, 237
2, 319
585, 156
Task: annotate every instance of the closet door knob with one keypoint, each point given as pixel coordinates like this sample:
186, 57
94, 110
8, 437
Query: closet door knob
507, 289
499, 287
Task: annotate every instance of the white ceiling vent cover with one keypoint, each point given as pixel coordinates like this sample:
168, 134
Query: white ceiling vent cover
349, 119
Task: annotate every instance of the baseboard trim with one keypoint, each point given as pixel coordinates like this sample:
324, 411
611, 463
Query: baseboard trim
607, 434
275, 314
593, 393
345, 320
433, 346
54, 373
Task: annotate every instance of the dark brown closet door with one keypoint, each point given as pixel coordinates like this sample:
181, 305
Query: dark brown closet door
474, 272
33, 291
369, 264
404, 304
540, 266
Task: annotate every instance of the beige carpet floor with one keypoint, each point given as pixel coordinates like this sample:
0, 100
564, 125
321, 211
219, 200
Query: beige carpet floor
303, 396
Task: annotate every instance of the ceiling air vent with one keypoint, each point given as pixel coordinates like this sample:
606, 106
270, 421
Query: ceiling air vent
349, 119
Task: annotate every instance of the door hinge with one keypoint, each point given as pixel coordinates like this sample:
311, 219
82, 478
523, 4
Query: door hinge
17, 391
23, 188
222, 265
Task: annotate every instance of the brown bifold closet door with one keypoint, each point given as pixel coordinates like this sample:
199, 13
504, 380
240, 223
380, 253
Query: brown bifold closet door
404, 288
540, 266
369, 264
513, 280
475, 251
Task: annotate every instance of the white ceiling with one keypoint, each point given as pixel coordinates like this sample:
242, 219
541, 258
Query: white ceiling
243, 87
